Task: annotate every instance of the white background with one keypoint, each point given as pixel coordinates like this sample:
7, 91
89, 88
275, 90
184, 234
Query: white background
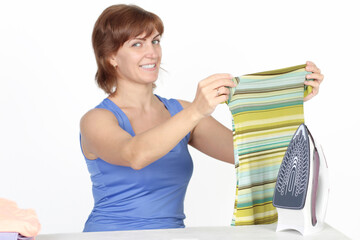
47, 83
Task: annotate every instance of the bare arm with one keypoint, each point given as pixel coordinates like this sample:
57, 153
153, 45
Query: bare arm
102, 137
212, 138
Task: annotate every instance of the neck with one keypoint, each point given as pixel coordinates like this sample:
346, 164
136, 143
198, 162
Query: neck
133, 95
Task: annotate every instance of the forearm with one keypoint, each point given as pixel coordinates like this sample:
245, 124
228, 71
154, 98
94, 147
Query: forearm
214, 139
153, 144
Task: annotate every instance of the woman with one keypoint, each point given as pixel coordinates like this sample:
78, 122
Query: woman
135, 142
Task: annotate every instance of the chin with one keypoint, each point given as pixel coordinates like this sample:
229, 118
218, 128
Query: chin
150, 80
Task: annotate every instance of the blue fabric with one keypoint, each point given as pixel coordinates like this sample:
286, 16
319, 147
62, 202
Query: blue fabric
150, 198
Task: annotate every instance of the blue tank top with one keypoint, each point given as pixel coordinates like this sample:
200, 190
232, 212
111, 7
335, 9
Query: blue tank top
150, 198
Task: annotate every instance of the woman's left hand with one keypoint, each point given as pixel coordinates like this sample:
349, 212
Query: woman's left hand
318, 78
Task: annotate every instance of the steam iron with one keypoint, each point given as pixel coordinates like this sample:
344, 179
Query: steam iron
302, 187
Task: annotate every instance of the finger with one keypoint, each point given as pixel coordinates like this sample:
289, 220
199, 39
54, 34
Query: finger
316, 76
223, 91
308, 97
311, 67
213, 86
218, 76
315, 87
221, 99
310, 63
314, 84
221, 83
208, 83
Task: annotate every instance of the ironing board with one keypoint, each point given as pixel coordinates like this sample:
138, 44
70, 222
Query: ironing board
267, 109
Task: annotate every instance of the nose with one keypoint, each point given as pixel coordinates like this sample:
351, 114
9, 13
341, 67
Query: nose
153, 51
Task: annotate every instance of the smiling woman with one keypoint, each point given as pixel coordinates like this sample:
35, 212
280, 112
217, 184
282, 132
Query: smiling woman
114, 27
135, 143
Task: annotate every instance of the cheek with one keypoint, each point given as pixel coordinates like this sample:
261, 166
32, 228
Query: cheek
125, 68
128, 62
160, 53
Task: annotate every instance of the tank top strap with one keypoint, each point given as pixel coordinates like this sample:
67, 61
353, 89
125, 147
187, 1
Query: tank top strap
119, 114
172, 105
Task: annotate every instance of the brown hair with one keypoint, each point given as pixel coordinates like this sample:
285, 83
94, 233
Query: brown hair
116, 25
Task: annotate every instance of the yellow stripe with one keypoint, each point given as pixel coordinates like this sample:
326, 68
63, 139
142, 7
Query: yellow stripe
266, 210
269, 76
255, 188
271, 124
268, 114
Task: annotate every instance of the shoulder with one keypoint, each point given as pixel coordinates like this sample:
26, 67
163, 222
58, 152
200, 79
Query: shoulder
96, 116
97, 113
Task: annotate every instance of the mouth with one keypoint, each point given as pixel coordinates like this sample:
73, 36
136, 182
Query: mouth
148, 67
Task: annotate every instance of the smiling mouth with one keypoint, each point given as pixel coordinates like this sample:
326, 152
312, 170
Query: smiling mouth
148, 66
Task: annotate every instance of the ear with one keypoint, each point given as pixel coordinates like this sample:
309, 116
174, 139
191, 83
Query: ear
112, 60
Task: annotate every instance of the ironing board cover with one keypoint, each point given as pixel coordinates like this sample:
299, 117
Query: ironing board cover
267, 108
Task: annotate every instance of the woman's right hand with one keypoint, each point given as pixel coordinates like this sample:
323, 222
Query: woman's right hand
212, 91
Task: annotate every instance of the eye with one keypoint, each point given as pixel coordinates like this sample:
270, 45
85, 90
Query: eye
136, 44
156, 41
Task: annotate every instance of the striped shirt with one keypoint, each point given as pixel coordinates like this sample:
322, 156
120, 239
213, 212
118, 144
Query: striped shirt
267, 108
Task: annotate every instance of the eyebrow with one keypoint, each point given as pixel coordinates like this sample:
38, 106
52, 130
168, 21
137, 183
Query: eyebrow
144, 39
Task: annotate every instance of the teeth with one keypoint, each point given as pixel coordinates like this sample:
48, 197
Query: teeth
148, 66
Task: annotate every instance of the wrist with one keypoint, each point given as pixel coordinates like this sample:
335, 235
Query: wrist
194, 114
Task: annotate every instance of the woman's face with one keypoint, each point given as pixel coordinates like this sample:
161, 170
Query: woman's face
139, 58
